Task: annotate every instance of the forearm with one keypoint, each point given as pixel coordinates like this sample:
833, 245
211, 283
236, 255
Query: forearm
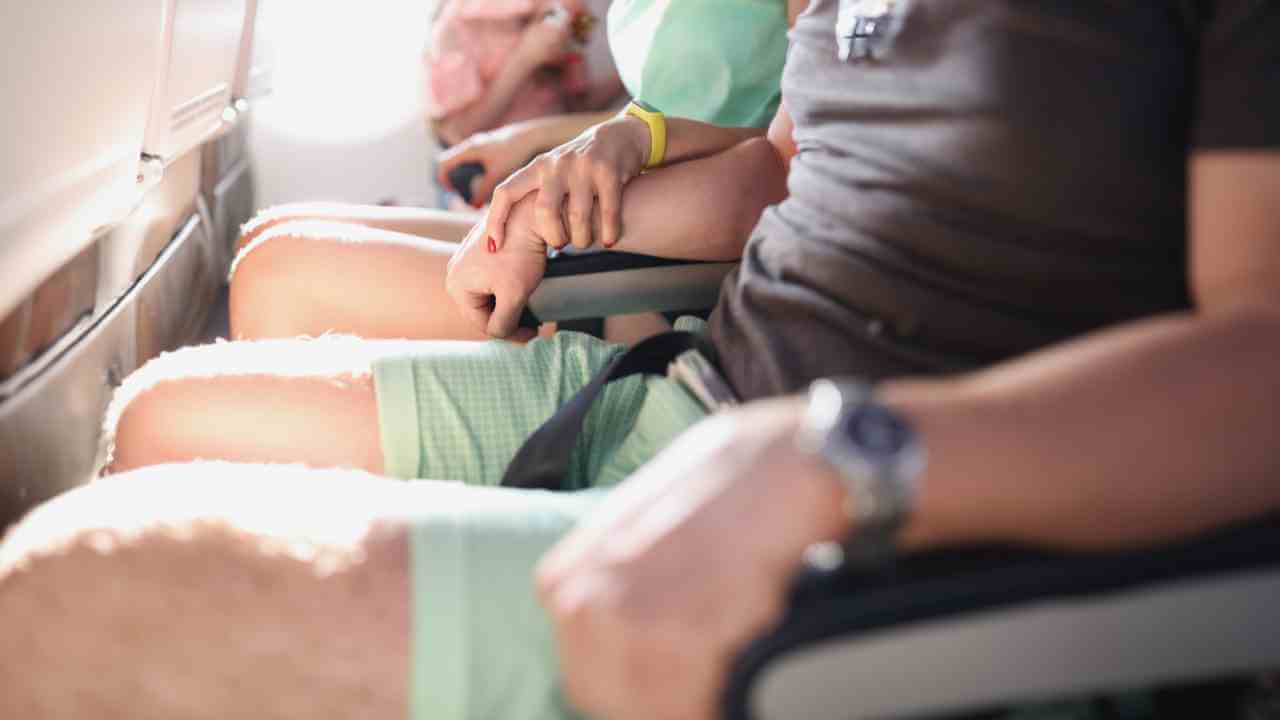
554, 130
1135, 435
691, 139
485, 112
703, 209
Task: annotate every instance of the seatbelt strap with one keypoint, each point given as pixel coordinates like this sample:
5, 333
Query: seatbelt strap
543, 461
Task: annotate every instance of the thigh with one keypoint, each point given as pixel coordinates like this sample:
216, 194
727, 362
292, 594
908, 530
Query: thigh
209, 590
238, 590
444, 225
303, 401
460, 411
445, 410
483, 647
312, 278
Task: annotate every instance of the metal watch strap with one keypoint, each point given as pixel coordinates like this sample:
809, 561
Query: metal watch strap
879, 489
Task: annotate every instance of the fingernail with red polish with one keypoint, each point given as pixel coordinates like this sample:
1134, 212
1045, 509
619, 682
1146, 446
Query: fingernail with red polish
493, 245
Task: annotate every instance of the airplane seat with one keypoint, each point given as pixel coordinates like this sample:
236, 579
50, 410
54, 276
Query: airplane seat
970, 632
579, 285
979, 631
73, 127
227, 185
105, 240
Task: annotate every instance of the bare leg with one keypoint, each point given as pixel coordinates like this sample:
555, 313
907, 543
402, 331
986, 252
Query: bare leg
631, 329
444, 225
211, 590
309, 278
305, 401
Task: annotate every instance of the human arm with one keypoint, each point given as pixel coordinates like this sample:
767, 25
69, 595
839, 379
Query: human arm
703, 209
1189, 401
542, 43
507, 149
699, 210
1127, 437
588, 173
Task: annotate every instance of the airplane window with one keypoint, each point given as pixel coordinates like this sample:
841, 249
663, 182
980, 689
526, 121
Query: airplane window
346, 84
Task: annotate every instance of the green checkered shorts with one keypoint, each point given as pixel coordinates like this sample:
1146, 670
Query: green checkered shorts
460, 411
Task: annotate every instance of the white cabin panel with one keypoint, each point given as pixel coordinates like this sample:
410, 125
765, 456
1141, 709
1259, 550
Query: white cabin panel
201, 45
78, 81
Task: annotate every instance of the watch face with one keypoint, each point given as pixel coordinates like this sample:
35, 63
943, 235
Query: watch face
876, 431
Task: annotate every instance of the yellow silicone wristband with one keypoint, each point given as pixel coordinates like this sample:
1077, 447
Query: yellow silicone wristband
657, 123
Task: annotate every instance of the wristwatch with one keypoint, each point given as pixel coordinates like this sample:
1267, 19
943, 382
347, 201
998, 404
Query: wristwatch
657, 123
876, 455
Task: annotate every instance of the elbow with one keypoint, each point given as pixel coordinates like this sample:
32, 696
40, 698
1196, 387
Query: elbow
763, 184
1247, 309
1257, 321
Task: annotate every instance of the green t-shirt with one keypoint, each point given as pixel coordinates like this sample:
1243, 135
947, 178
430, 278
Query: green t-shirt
718, 61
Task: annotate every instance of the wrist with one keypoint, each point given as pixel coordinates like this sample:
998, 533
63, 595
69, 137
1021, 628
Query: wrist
814, 507
875, 454
638, 138
952, 505
656, 123
800, 494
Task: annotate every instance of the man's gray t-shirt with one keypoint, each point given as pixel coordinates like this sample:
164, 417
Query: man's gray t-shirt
981, 178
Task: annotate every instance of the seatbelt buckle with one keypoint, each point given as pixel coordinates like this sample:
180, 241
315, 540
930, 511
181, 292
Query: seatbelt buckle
693, 371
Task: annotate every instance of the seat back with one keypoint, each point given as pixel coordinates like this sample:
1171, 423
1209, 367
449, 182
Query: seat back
108, 254
200, 47
227, 184
980, 630
256, 57
78, 80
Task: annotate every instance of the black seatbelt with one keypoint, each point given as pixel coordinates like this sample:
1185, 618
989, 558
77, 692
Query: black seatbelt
543, 461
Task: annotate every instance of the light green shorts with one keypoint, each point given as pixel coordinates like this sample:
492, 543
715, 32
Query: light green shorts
459, 411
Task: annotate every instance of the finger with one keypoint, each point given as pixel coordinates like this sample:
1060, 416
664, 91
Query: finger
523, 335
547, 212
508, 194
627, 506
505, 319
474, 308
609, 201
482, 186
452, 158
589, 663
581, 199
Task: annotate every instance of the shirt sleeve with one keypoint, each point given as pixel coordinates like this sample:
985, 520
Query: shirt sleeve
1238, 76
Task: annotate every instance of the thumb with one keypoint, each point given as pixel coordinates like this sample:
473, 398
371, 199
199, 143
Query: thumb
457, 155
505, 319
482, 187
511, 191
475, 307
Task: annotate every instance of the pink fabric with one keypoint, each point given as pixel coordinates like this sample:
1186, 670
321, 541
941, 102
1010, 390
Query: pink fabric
470, 42
474, 9
454, 82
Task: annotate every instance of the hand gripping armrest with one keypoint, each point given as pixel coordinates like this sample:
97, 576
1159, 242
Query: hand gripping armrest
617, 283
972, 630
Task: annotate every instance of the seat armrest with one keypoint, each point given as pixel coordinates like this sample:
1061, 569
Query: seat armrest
579, 285
984, 629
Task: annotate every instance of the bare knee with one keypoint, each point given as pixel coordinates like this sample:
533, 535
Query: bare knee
269, 291
308, 402
275, 216
149, 598
155, 417
311, 278
296, 279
